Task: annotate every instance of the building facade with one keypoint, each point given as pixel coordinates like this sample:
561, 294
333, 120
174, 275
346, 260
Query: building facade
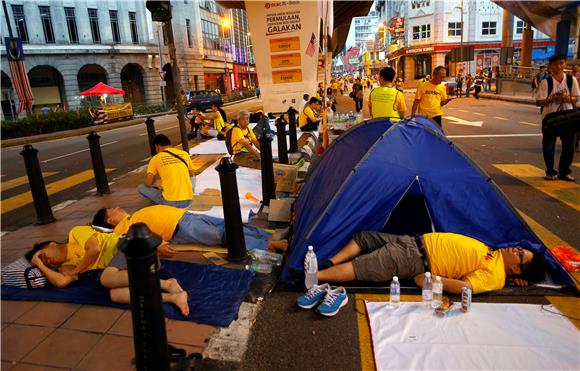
70, 46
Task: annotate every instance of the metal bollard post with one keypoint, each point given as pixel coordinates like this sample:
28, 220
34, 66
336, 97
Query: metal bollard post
292, 129
232, 211
98, 164
268, 185
151, 134
37, 188
149, 335
282, 145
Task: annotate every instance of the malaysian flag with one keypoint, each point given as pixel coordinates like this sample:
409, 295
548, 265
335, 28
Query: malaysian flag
18, 70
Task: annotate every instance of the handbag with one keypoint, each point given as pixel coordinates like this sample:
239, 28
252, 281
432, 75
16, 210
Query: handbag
21, 273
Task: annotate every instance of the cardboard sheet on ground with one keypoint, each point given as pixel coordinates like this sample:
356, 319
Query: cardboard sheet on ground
492, 336
214, 293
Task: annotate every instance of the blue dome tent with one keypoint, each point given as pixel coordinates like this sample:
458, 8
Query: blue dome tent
403, 178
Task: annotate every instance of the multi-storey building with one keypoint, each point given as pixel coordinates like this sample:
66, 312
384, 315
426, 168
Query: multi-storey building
432, 28
70, 46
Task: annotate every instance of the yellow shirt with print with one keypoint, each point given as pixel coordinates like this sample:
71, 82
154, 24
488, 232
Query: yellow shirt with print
237, 135
387, 102
461, 257
174, 174
161, 220
430, 97
77, 239
307, 113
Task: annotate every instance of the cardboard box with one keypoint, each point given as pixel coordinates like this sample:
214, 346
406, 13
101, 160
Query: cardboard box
285, 177
280, 210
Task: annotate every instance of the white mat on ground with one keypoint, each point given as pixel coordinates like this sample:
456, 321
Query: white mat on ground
490, 337
249, 180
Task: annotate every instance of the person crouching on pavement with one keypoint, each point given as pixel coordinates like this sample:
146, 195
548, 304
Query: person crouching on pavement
87, 249
174, 169
244, 144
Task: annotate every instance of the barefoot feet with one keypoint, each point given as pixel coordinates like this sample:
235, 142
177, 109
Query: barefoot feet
180, 301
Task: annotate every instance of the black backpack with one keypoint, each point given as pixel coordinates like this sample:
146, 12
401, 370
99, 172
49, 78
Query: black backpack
228, 138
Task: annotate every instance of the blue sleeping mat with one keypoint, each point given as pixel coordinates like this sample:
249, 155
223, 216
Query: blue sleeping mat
214, 293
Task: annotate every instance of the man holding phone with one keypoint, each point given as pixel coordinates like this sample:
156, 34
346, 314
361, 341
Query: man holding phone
431, 96
556, 94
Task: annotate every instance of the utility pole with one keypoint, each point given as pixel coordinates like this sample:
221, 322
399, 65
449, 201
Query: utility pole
162, 86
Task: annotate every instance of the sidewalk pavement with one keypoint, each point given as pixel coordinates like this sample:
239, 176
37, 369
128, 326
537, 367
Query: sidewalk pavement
43, 335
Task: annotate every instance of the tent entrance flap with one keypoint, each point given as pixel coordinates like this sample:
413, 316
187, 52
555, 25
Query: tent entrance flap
410, 217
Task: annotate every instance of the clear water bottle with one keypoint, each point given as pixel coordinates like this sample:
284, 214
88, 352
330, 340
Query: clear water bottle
427, 292
310, 268
395, 297
437, 293
259, 268
267, 257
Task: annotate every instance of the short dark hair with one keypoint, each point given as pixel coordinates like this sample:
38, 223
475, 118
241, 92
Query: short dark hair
100, 219
437, 69
37, 247
215, 104
161, 140
556, 58
198, 107
305, 96
388, 74
313, 100
329, 91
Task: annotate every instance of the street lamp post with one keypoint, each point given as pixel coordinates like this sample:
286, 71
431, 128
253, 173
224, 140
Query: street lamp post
225, 25
248, 59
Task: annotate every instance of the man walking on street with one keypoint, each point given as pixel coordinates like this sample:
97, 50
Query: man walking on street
478, 84
556, 94
386, 101
357, 95
175, 171
431, 96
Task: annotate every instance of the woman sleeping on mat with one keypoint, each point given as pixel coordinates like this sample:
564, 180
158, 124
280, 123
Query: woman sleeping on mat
87, 249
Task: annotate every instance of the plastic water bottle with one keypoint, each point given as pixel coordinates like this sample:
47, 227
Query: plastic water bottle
437, 293
427, 292
259, 268
395, 297
267, 257
310, 268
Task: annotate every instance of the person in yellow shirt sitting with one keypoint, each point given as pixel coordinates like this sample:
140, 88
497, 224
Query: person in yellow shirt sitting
308, 119
174, 169
387, 101
214, 125
87, 249
461, 261
431, 96
244, 143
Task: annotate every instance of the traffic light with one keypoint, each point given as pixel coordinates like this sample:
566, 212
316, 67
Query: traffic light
160, 10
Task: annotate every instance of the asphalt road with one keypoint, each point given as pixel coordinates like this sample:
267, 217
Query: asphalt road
123, 149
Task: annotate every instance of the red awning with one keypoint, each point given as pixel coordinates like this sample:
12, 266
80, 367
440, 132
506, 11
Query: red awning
102, 89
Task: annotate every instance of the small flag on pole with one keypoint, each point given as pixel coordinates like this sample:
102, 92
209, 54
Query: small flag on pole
15, 55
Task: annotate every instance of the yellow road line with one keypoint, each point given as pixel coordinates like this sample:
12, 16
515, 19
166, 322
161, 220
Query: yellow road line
478, 114
462, 110
577, 164
501, 118
12, 183
566, 192
529, 123
25, 198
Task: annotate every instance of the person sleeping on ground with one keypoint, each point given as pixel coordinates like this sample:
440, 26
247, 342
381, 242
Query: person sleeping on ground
88, 249
177, 226
461, 261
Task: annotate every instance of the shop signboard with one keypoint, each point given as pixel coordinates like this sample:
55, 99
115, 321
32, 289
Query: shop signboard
286, 47
397, 28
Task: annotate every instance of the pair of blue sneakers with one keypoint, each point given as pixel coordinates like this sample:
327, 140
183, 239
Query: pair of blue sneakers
332, 299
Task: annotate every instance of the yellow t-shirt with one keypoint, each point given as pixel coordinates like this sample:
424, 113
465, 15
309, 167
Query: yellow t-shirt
161, 220
77, 238
334, 86
387, 102
307, 113
174, 174
430, 97
218, 123
237, 135
461, 257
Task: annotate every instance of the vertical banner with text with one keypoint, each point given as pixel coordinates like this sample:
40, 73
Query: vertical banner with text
286, 45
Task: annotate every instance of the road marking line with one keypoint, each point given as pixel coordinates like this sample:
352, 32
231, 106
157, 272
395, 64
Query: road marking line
62, 205
566, 192
76, 152
478, 114
22, 180
25, 198
528, 123
462, 110
458, 121
171, 127
494, 135
501, 118
577, 164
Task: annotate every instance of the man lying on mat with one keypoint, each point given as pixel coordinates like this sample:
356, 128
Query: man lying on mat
461, 261
177, 226
87, 249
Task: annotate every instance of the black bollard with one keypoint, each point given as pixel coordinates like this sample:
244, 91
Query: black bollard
282, 145
149, 336
37, 187
292, 130
98, 164
268, 185
151, 134
232, 212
